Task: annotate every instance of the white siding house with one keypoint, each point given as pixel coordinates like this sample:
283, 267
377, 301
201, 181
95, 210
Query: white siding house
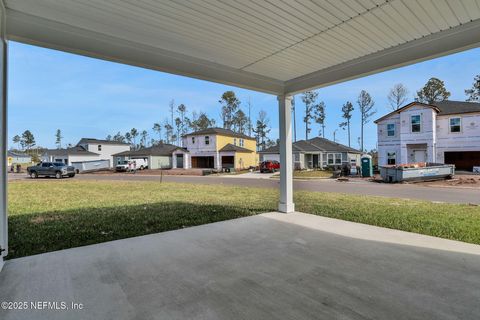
443, 132
104, 148
87, 149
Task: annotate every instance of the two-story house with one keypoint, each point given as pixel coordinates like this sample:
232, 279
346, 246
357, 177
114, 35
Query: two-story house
87, 149
216, 148
442, 132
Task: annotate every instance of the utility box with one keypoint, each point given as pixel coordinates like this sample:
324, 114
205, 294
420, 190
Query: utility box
367, 165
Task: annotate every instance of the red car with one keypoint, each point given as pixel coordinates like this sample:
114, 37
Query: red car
269, 166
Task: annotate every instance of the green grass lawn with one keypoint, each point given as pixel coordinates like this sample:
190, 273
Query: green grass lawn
47, 215
312, 174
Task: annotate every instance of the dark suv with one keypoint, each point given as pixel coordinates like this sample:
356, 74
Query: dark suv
51, 169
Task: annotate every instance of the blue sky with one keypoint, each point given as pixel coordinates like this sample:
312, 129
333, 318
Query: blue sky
84, 97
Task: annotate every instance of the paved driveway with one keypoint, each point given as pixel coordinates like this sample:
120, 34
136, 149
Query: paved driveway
407, 191
272, 266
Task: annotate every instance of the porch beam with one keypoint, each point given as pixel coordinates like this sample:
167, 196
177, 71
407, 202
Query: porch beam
3, 138
286, 204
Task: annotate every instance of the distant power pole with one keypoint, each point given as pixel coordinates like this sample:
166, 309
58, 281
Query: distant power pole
334, 134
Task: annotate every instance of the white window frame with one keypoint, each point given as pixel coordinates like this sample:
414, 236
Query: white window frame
241, 142
234, 141
411, 123
389, 153
193, 140
388, 131
207, 140
332, 156
338, 156
450, 125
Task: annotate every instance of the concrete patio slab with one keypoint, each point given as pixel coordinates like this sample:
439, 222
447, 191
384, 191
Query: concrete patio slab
270, 266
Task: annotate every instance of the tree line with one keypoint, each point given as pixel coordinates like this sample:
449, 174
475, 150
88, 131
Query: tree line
179, 121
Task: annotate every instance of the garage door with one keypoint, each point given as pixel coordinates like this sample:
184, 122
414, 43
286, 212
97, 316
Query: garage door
463, 160
203, 162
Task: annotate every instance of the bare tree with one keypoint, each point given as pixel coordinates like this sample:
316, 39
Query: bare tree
365, 106
262, 129
397, 96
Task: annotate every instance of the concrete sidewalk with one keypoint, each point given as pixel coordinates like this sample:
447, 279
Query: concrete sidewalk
271, 266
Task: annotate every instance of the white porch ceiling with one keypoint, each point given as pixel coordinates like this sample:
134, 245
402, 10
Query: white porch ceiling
275, 46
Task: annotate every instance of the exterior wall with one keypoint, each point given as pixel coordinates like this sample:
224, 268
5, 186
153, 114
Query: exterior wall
404, 140
160, 162
435, 137
468, 139
199, 145
80, 158
107, 150
270, 156
249, 144
18, 160
244, 160
217, 142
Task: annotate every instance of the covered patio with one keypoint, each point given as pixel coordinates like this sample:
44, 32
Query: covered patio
259, 267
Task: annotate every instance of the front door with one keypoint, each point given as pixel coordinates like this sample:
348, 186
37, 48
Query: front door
419, 155
180, 161
315, 161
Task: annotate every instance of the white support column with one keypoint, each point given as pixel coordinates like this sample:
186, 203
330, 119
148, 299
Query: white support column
286, 162
3, 138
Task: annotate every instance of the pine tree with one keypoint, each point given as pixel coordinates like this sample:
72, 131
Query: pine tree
230, 104
433, 91
58, 139
473, 94
309, 98
347, 110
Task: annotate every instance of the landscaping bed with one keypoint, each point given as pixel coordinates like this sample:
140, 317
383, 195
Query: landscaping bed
47, 215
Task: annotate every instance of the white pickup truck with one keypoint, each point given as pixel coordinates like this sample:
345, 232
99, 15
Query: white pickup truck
132, 165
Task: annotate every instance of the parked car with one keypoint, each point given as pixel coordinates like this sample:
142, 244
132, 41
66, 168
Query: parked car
132, 165
269, 166
51, 169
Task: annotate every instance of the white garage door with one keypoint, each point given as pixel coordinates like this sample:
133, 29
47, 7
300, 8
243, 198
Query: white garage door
272, 156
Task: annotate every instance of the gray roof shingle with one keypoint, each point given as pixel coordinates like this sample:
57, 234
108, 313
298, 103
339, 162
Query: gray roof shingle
99, 141
77, 150
158, 150
233, 148
316, 144
456, 107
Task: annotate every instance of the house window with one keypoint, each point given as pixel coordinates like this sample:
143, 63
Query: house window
241, 142
330, 159
391, 157
207, 140
99, 147
338, 158
391, 129
234, 141
415, 121
296, 156
193, 140
455, 124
